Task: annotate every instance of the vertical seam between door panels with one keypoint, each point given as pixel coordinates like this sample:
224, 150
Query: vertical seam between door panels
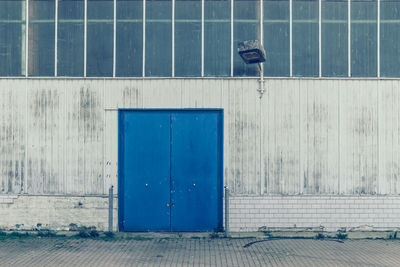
221, 167
170, 172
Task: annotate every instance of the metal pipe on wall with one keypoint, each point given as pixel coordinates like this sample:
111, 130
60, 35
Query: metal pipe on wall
110, 208
227, 212
261, 89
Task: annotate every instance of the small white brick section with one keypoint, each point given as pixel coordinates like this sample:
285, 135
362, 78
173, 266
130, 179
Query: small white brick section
332, 212
7, 199
55, 212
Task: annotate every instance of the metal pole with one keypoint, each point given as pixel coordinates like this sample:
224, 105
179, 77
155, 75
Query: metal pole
226, 211
110, 208
261, 70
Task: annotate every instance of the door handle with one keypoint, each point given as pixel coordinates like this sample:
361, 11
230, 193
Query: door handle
167, 205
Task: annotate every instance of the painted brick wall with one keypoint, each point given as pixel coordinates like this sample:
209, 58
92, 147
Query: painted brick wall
55, 212
247, 213
332, 212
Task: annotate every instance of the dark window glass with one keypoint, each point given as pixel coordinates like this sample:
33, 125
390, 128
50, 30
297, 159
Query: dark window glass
246, 27
390, 38
100, 15
334, 38
363, 38
305, 38
41, 38
276, 38
70, 38
187, 38
217, 38
129, 49
158, 38
12, 38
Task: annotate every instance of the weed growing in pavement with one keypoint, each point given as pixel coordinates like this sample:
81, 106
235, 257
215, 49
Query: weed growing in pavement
94, 233
47, 233
109, 234
15, 235
18, 234
83, 232
86, 232
213, 235
320, 236
341, 235
393, 235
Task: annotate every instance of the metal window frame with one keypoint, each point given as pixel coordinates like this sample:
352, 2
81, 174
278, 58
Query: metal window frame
85, 41
114, 38
232, 36
291, 37
144, 40
173, 40
202, 38
348, 41
320, 38
262, 181
349, 47
26, 38
56, 38
349, 38
262, 23
378, 40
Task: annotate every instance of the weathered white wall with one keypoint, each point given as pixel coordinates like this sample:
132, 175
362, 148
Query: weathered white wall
305, 136
51, 137
25, 212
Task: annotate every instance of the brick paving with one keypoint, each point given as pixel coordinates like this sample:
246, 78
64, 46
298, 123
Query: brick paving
197, 251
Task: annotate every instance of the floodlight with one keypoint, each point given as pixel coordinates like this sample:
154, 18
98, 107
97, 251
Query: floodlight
251, 51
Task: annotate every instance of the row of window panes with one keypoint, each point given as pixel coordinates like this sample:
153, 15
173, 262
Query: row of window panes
185, 35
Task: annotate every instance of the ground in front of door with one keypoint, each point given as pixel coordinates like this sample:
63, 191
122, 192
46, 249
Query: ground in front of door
196, 251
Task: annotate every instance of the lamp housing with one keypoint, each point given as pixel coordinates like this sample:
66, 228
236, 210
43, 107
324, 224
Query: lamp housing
251, 51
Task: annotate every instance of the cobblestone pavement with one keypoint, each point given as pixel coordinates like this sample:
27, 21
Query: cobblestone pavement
197, 251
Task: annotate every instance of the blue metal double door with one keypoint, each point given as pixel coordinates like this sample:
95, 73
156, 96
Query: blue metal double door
170, 170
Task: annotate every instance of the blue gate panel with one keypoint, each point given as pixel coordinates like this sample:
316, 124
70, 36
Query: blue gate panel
196, 177
144, 164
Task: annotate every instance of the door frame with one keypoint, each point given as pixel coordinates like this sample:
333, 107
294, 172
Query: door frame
120, 160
